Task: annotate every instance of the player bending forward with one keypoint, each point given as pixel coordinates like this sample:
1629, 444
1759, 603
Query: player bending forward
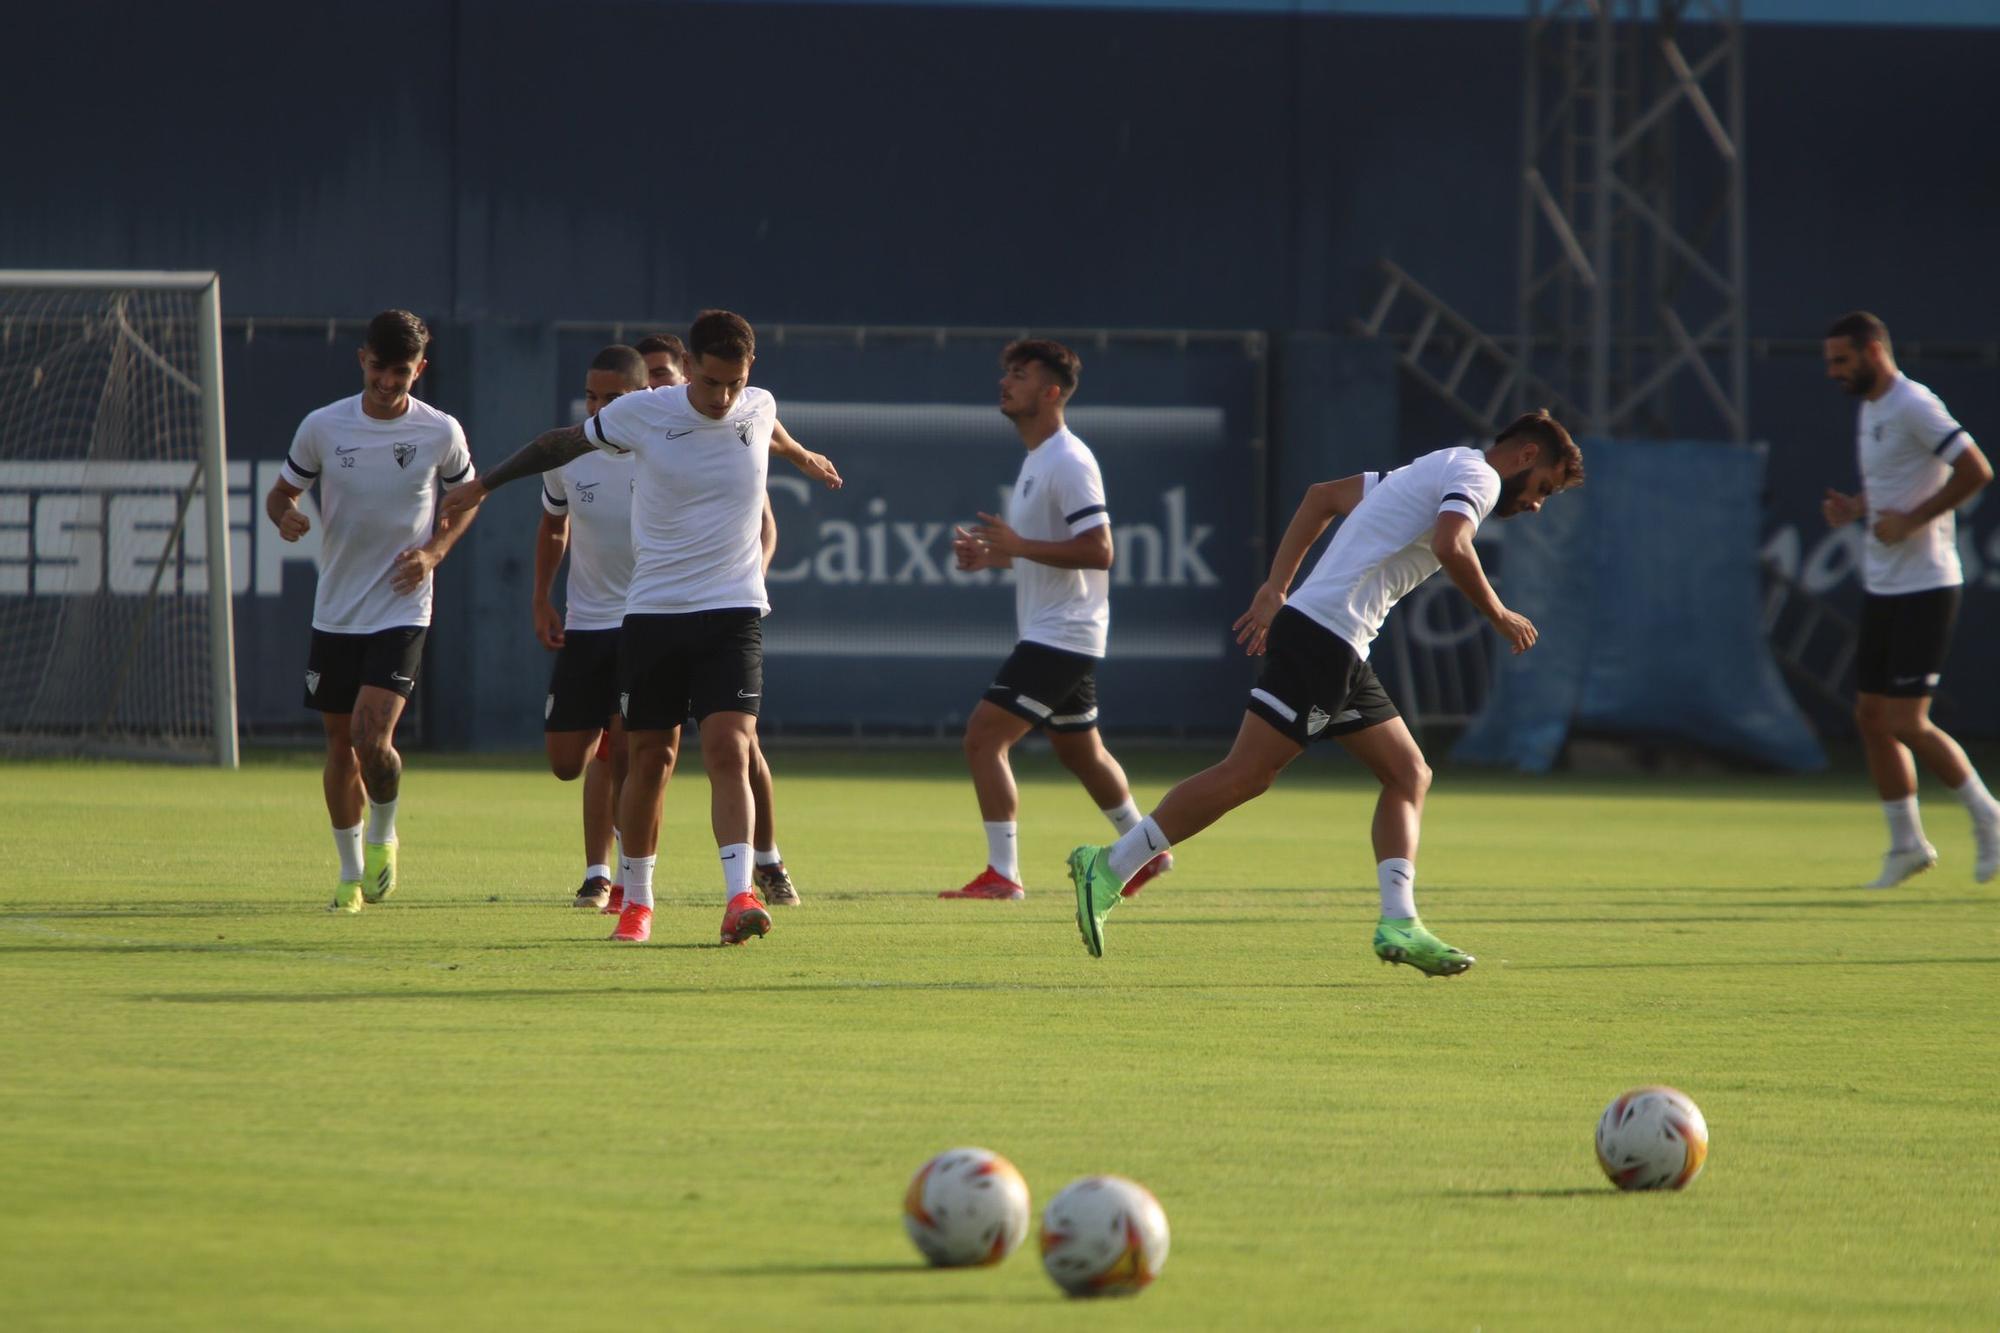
1316, 681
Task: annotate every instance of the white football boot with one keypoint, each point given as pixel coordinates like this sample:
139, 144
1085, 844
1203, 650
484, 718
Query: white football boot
1898, 864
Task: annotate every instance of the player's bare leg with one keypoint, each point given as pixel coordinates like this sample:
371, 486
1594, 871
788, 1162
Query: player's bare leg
376, 712
345, 800
600, 818
651, 757
990, 733
727, 741
1392, 755
1084, 755
1898, 734
769, 878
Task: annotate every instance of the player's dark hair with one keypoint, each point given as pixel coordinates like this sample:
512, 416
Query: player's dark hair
1558, 449
664, 342
397, 336
1063, 365
723, 334
621, 360
1861, 327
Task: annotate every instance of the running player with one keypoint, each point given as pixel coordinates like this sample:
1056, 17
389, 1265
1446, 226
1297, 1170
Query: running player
1316, 681
1056, 537
587, 514
380, 459
1917, 466
692, 635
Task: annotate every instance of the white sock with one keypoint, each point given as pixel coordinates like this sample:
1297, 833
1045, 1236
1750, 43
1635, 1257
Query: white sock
637, 872
1139, 845
1003, 852
735, 869
382, 822
347, 842
1126, 817
770, 857
597, 872
1397, 878
1977, 799
1906, 831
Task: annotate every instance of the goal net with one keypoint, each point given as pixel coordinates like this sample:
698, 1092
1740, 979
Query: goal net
114, 553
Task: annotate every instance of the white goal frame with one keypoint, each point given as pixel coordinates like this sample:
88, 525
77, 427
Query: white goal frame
212, 472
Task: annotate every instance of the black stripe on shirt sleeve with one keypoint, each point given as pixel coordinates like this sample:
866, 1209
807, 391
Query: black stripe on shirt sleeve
308, 473
1085, 512
1381, 477
1462, 496
459, 475
1942, 444
595, 427
550, 496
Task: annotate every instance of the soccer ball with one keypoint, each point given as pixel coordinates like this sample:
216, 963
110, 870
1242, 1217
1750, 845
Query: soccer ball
1652, 1139
966, 1206
1104, 1236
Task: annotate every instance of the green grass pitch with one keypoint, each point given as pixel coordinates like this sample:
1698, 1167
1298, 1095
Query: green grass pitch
222, 1108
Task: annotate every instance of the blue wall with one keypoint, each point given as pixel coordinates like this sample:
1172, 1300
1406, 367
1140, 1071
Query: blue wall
498, 165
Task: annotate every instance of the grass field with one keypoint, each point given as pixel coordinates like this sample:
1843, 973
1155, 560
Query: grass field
223, 1108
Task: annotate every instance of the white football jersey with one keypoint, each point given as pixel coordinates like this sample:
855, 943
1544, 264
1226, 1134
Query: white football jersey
1383, 549
378, 488
594, 493
698, 505
1907, 441
1059, 495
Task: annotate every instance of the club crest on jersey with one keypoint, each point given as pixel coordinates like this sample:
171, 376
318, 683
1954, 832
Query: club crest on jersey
312, 682
1878, 432
404, 452
1027, 484
744, 429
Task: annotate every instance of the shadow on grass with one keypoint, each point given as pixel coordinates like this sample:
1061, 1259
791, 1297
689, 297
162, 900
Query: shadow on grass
824, 1270
615, 992
1743, 963
1583, 1192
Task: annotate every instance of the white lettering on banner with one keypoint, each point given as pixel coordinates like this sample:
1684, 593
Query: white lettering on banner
1835, 557
76, 529
903, 553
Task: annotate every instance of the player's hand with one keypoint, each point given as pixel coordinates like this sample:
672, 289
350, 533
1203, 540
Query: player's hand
968, 552
1253, 627
998, 538
293, 524
548, 626
1892, 526
412, 567
1516, 629
1839, 510
819, 468
463, 499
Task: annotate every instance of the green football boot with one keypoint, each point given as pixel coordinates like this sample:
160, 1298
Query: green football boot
1097, 892
378, 870
1406, 941
346, 897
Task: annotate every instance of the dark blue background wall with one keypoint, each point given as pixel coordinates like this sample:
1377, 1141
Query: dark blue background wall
498, 165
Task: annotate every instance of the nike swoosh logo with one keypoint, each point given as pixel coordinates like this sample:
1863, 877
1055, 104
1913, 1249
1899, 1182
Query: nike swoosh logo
730, 857
347, 449
1149, 840
402, 680
741, 695
676, 434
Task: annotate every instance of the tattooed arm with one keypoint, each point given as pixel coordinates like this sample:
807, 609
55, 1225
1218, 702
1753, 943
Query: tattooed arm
547, 451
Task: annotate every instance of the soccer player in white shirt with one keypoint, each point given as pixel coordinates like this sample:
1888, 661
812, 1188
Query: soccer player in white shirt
380, 459
1402, 527
1056, 537
587, 515
1917, 466
666, 366
692, 639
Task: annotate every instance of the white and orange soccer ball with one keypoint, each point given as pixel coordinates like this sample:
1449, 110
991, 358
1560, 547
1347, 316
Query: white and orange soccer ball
1104, 1236
1652, 1139
966, 1206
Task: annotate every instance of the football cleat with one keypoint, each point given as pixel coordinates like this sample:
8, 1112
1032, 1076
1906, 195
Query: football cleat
743, 918
635, 924
989, 883
1097, 892
1899, 864
378, 870
616, 904
1986, 844
776, 885
1153, 869
1406, 941
595, 894
346, 897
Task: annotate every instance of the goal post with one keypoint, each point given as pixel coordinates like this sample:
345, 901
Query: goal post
115, 588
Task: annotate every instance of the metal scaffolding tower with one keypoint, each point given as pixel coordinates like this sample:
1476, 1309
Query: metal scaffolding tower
1632, 264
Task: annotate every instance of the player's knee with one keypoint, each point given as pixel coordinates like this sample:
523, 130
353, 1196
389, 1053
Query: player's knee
1872, 716
1415, 779
566, 764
